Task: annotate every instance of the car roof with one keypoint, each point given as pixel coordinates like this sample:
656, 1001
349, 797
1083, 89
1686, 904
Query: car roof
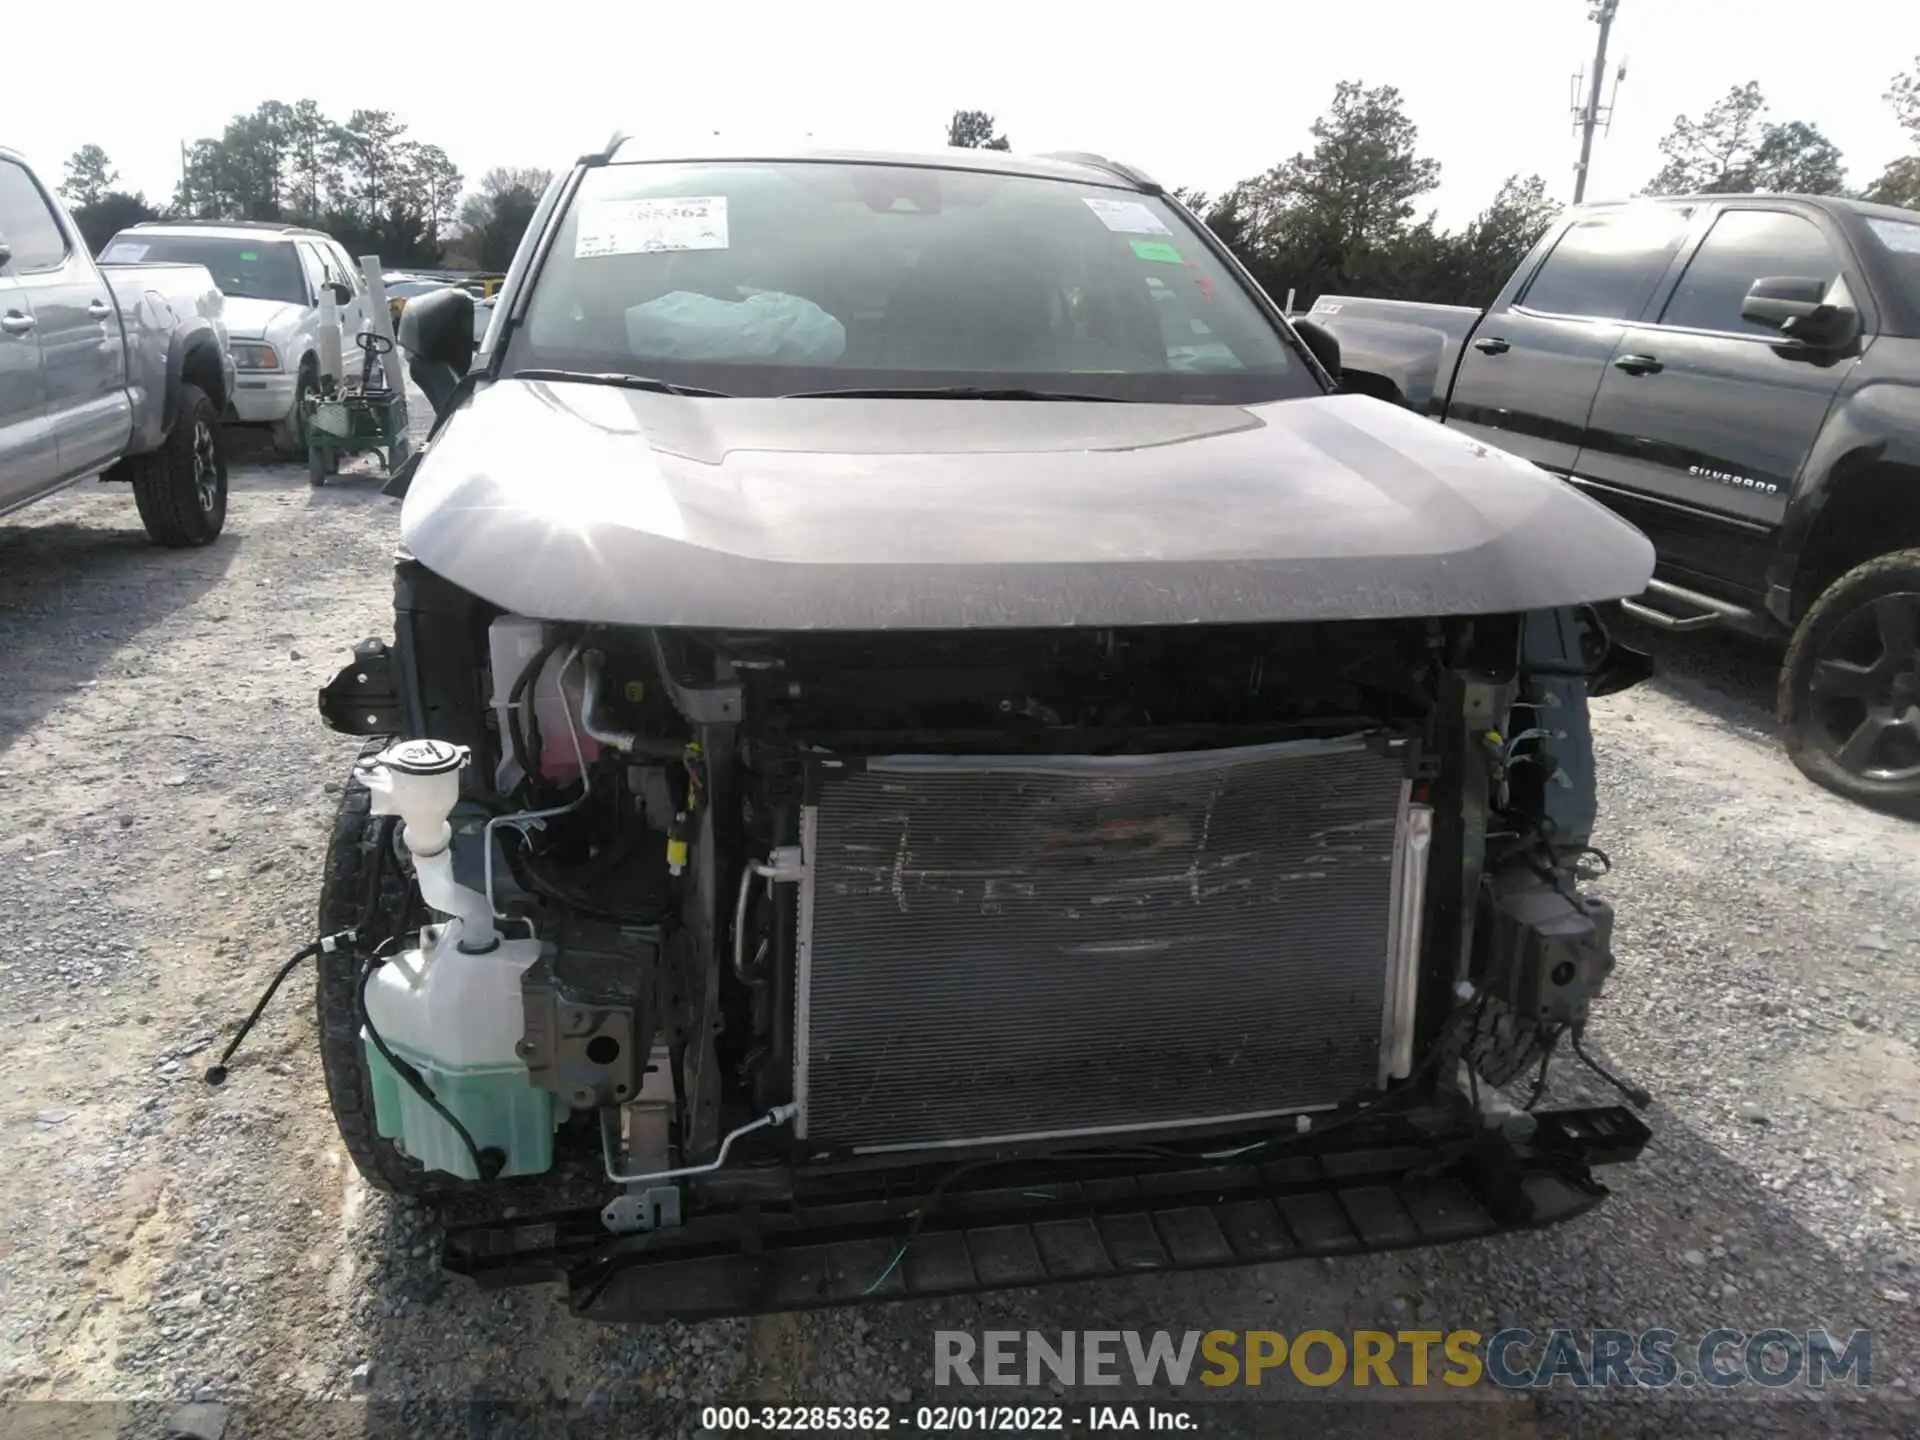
265, 231
1078, 165
1845, 203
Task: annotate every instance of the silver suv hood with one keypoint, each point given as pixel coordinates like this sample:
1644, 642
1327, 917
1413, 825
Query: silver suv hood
591, 503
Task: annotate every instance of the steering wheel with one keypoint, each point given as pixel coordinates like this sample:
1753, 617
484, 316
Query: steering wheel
373, 342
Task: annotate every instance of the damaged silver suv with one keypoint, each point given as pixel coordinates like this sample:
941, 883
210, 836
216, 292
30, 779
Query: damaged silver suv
927, 747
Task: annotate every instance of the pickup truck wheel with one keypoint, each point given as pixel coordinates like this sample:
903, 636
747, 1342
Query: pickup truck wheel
343, 898
290, 434
181, 488
1849, 697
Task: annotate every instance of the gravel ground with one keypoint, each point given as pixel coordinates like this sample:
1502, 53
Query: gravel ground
166, 784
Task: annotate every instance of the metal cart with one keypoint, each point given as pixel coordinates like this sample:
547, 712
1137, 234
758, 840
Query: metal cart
367, 414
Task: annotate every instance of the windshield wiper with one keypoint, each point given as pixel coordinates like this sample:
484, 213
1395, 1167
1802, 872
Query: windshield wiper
615, 378
948, 392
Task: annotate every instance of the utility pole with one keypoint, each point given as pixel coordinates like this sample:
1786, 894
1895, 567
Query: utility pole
1588, 112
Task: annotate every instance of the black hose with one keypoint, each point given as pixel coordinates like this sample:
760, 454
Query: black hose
1546, 1060
522, 742
217, 1072
370, 902
1640, 1098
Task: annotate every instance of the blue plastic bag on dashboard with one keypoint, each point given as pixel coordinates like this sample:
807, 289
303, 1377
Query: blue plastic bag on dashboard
766, 326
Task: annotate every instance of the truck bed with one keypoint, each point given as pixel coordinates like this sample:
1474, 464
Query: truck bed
1412, 345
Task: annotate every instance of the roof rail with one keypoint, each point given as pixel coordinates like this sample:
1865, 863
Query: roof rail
1133, 176
607, 151
278, 225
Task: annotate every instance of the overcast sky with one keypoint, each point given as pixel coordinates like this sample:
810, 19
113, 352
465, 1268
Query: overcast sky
1198, 94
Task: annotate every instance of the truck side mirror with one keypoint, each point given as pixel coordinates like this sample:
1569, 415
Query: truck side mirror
1796, 306
436, 331
6, 252
1321, 343
342, 293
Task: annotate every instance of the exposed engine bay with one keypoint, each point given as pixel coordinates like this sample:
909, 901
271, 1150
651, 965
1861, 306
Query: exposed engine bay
717, 917
1111, 862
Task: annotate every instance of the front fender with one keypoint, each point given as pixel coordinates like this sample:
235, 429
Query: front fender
199, 345
1874, 425
159, 359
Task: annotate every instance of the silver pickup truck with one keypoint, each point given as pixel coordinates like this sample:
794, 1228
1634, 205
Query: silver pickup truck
122, 372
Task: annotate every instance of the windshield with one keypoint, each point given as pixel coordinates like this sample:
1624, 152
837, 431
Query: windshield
243, 269
1901, 241
764, 278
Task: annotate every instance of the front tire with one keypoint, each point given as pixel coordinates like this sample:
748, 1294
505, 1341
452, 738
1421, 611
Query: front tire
1849, 699
357, 834
181, 488
290, 434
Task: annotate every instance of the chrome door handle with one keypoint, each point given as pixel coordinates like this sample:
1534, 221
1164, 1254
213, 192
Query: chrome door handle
14, 323
99, 310
1638, 365
1491, 345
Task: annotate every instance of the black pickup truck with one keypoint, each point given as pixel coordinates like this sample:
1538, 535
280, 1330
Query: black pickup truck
1739, 376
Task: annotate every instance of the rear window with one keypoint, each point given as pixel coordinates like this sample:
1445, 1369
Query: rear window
243, 269
1899, 240
765, 278
1606, 268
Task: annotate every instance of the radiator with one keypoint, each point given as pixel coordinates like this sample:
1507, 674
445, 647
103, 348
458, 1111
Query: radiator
1009, 948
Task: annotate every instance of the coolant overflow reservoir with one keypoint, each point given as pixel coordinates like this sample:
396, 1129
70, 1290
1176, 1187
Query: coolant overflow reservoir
456, 1018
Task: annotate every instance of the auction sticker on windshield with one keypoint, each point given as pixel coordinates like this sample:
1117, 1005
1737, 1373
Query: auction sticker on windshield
123, 252
640, 227
1127, 217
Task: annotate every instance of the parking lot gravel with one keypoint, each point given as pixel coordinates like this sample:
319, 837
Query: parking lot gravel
166, 785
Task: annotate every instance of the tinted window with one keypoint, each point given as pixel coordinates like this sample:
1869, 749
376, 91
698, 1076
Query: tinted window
243, 269
1899, 240
1606, 267
1742, 247
326, 256
315, 267
350, 275
763, 278
26, 222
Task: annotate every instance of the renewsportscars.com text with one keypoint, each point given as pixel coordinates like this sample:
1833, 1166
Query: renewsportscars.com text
1510, 1359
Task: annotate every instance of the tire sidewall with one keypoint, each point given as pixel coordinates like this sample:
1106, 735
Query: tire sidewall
1884, 575
290, 436
204, 412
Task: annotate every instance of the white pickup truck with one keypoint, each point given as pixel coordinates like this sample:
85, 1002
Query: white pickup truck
122, 372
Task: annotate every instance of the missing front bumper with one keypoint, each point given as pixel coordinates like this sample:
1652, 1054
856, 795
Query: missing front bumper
1387, 1187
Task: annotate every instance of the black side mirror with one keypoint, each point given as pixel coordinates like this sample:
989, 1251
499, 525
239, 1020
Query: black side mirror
438, 326
342, 293
6, 251
436, 331
1320, 342
1796, 306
